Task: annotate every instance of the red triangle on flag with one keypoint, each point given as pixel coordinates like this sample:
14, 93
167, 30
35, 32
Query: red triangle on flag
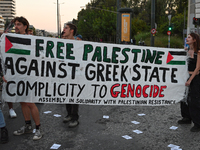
169, 57
8, 44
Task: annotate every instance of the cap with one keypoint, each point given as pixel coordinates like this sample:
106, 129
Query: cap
79, 36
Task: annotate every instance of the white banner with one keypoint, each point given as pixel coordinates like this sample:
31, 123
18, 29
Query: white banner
50, 70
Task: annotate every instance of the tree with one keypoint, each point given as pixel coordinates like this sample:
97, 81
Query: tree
94, 21
105, 24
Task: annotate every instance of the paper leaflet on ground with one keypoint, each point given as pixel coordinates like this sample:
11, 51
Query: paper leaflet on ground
51, 70
55, 146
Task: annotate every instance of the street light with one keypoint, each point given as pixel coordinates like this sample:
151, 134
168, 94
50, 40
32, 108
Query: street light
169, 17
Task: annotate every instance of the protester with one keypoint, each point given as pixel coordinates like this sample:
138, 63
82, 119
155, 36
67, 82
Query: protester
4, 131
72, 109
12, 113
30, 31
28, 109
79, 37
191, 112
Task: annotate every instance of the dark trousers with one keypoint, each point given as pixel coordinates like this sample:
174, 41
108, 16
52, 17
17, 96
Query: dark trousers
192, 110
72, 110
194, 100
185, 113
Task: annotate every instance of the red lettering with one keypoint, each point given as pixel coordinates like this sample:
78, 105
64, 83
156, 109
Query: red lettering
138, 88
155, 90
130, 90
123, 90
161, 89
114, 94
150, 94
144, 91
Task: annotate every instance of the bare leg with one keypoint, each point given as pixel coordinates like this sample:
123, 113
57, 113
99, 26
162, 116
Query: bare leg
26, 111
34, 113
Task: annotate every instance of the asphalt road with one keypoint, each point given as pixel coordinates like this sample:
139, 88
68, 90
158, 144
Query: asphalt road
97, 133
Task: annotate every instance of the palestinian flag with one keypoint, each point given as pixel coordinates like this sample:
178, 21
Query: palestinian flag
17, 45
176, 58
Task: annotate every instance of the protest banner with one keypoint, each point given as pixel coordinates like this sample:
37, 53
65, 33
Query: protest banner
51, 70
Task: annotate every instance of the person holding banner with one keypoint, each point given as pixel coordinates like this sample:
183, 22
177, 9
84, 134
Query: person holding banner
72, 109
12, 113
191, 112
21, 27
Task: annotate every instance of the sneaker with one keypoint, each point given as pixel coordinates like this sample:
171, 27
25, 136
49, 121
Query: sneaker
195, 129
38, 135
12, 113
24, 129
67, 119
73, 123
184, 121
4, 136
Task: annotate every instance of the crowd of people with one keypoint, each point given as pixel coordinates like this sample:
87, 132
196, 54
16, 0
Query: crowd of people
190, 109
29, 110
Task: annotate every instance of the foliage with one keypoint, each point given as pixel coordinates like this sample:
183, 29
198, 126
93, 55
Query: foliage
138, 26
160, 40
105, 22
98, 20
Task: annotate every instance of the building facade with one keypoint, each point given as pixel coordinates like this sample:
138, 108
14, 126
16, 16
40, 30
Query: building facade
1, 24
7, 9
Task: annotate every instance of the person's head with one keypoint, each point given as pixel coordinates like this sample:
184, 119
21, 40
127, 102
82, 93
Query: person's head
69, 31
193, 40
79, 37
30, 31
21, 25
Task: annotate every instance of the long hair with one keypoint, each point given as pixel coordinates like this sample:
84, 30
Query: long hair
196, 44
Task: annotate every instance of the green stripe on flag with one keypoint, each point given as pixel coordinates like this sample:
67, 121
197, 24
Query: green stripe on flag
19, 51
176, 63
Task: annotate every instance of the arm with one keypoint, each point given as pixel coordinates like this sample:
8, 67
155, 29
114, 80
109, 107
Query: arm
196, 71
4, 79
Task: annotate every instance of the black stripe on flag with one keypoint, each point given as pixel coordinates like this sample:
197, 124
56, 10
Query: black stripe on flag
18, 40
182, 53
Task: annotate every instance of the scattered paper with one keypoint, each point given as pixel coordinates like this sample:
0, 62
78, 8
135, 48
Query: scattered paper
135, 122
47, 112
173, 127
174, 147
55, 146
137, 131
57, 115
34, 130
127, 137
106, 117
141, 114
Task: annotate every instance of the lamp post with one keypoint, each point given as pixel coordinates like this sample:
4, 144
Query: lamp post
169, 17
58, 18
152, 20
